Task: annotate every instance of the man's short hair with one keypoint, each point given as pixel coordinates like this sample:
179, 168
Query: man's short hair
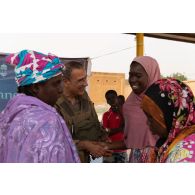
69, 66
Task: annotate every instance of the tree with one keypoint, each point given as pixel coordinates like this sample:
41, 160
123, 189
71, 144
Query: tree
178, 76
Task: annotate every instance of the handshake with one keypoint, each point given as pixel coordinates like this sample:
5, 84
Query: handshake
95, 148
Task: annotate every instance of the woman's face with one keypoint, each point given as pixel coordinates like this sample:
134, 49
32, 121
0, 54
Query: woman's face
50, 90
138, 78
155, 127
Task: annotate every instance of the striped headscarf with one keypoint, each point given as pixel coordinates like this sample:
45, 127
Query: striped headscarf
33, 67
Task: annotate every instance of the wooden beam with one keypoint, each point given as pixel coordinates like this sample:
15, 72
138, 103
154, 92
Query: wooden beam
182, 37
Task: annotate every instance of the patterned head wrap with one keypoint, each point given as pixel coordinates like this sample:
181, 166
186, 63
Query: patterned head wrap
176, 101
33, 67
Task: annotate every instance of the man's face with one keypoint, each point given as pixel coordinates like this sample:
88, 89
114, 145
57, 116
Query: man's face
50, 90
77, 83
138, 78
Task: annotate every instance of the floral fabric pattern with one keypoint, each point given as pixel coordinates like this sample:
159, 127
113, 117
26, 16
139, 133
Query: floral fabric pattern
176, 101
145, 155
183, 151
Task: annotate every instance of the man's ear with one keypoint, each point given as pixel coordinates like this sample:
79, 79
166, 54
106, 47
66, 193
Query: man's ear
66, 81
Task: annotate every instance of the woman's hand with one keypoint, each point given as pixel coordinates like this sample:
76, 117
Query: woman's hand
96, 149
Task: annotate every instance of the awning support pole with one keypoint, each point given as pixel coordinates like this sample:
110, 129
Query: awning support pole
140, 44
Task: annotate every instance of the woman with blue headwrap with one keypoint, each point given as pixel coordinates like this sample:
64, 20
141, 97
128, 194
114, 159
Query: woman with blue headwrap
31, 130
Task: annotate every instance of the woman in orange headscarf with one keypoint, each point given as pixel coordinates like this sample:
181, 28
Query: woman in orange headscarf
170, 109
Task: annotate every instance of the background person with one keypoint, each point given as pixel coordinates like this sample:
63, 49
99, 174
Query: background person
113, 122
121, 100
170, 109
31, 130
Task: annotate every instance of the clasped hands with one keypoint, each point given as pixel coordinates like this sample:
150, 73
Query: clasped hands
97, 149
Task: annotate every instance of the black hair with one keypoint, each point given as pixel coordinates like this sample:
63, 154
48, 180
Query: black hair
70, 66
27, 89
110, 92
122, 98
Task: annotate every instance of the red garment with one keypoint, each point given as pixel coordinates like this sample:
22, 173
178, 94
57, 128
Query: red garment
113, 120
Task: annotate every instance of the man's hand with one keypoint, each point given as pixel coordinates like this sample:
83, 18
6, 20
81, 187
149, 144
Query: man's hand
96, 149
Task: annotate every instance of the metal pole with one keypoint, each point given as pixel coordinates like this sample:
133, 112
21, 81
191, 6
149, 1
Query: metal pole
140, 44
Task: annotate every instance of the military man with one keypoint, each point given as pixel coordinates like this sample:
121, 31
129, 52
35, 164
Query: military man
79, 113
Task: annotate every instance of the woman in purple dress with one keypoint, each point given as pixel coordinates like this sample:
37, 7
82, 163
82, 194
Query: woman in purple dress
31, 130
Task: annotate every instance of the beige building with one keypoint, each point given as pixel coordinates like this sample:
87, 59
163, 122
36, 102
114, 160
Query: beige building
100, 82
191, 84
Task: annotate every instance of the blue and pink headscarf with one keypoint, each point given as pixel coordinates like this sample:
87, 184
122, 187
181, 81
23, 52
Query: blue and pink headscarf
33, 67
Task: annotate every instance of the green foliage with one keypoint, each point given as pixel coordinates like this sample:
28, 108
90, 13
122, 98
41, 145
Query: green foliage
177, 75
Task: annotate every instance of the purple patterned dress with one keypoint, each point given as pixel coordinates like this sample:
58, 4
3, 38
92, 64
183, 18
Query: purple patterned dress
32, 131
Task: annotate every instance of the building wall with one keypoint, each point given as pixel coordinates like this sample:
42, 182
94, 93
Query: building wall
127, 89
191, 84
99, 83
